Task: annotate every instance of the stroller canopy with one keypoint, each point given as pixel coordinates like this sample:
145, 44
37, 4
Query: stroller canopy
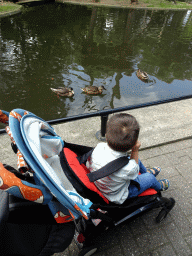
40, 147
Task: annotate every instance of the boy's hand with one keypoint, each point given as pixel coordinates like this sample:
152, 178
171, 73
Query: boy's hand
135, 151
136, 146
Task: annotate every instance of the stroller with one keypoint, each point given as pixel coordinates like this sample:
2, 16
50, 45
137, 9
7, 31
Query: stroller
58, 170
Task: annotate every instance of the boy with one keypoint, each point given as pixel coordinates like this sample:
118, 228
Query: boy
121, 136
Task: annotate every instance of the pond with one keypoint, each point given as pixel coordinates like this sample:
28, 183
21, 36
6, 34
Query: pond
54, 45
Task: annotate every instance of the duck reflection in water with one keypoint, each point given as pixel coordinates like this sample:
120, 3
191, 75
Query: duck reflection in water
62, 91
93, 89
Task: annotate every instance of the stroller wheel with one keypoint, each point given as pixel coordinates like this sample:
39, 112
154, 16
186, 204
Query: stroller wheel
87, 251
161, 216
163, 213
172, 203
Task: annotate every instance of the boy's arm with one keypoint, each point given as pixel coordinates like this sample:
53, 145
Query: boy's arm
135, 151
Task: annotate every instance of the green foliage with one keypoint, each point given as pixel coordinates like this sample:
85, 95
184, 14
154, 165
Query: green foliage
165, 4
8, 7
162, 4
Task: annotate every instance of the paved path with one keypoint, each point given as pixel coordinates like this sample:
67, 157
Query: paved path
170, 125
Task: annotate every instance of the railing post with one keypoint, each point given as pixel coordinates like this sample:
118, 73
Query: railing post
100, 135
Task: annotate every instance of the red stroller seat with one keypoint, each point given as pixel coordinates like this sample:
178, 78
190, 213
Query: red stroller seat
80, 171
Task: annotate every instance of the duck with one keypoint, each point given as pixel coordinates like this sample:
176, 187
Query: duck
93, 89
142, 75
63, 91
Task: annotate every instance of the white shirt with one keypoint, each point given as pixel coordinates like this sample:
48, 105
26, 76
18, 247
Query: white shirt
115, 186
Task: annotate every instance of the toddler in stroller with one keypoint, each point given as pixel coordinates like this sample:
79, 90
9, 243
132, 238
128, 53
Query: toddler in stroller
123, 193
122, 135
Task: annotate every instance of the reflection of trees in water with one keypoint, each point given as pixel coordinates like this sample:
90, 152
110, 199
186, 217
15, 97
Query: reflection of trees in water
39, 57
103, 50
99, 40
89, 104
165, 54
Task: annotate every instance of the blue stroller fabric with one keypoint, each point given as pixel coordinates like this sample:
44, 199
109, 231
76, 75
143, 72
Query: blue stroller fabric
40, 147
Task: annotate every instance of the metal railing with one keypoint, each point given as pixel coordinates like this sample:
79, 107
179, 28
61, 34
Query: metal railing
105, 113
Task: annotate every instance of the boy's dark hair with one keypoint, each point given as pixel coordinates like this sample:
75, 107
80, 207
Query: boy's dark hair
122, 132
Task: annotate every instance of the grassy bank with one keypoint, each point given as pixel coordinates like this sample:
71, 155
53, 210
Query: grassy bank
10, 8
165, 4
7, 7
156, 4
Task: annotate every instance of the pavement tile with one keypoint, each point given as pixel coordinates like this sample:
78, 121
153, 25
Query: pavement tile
100, 253
148, 241
185, 168
129, 246
132, 250
168, 173
124, 230
190, 218
157, 238
116, 250
183, 224
65, 253
178, 242
185, 143
184, 161
175, 157
166, 250
6, 153
73, 249
161, 160
179, 182
189, 241
186, 191
169, 148
127, 240
185, 205
148, 153
176, 146
143, 241
108, 239
189, 152
149, 253
137, 226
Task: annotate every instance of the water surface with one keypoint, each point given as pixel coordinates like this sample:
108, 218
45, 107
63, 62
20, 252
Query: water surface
57, 45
